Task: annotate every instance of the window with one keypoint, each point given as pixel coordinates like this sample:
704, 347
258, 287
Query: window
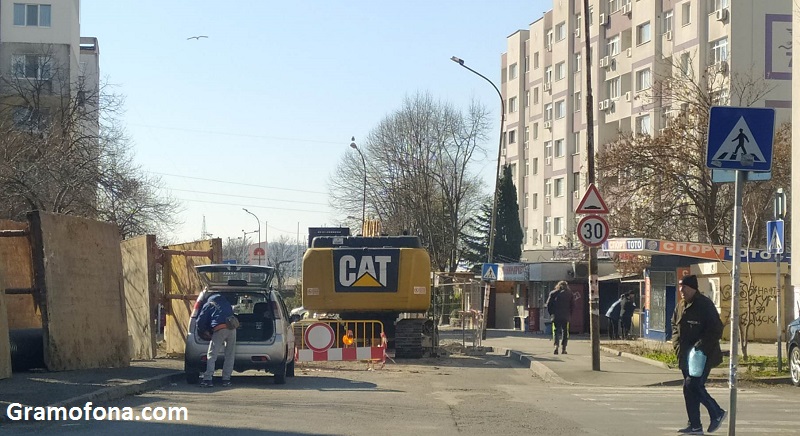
721, 97
576, 143
559, 148
535, 130
548, 74
548, 187
614, 86
614, 46
535, 164
558, 225
536, 95
31, 15
561, 109
548, 111
666, 25
576, 101
527, 63
613, 6
512, 71
561, 70
548, 149
686, 64
547, 225
26, 118
561, 31
526, 139
577, 66
558, 187
686, 14
527, 99
30, 67
720, 4
512, 104
719, 50
549, 39
643, 125
527, 173
576, 182
535, 201
643, 33
578, 26
536, 60
591, 15
512, 136
643, 79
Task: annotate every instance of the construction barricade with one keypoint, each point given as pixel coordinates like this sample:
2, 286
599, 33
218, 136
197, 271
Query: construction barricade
339, 340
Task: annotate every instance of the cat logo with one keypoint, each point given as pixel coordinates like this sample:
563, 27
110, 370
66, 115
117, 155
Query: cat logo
366, 270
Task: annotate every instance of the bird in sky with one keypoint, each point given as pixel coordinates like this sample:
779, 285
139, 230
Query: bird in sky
197, 37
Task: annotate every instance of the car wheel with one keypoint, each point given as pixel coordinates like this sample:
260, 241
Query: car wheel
192, 373
290, 369
794, 365
280, 375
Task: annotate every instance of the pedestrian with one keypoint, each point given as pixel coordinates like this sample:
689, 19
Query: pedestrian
613, 314
696, 324
560, 305
626, 315
217, 317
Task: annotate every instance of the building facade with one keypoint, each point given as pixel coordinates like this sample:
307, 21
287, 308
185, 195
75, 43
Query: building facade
633, 43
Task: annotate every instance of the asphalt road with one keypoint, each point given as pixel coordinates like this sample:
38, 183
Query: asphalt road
484, 395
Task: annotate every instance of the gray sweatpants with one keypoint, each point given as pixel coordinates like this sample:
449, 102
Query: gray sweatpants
221, 340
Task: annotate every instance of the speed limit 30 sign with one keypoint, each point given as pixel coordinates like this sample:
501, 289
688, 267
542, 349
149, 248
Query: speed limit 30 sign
593, 230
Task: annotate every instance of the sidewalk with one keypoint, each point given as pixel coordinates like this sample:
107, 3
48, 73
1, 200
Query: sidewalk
75, 388
616, 368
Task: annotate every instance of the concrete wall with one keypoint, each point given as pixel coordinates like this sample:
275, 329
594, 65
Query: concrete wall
84, 315
141, 297
5, 346
16, 267
181, 281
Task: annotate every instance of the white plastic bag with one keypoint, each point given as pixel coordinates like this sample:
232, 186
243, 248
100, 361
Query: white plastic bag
697, 362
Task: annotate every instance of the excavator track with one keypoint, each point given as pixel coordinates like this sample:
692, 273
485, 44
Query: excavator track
408, 338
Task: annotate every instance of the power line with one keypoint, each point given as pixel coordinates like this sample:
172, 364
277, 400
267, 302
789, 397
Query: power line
246, 196
243, 135
248, 205
238, 183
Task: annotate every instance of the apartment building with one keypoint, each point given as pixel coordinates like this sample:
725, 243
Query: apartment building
544, 82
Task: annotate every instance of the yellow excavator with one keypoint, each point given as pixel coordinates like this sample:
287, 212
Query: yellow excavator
384, 278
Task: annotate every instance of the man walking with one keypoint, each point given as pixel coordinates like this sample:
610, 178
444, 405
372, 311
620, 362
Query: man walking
696, 324
214, 317
560, 305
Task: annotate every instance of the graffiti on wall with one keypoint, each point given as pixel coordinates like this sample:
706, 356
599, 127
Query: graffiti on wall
753, 303
778, 47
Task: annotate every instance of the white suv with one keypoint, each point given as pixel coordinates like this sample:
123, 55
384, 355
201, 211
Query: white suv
264, 340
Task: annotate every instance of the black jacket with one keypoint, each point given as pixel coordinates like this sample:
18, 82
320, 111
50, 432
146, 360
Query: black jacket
560, 305
697, 324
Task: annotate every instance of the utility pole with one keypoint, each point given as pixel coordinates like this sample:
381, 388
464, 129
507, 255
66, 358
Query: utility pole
780, 213
594, 292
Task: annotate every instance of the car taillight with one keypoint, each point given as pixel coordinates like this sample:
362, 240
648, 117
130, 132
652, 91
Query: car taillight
276, 311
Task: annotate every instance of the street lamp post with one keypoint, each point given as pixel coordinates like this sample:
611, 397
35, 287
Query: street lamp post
499, 152
364, 194
259, 233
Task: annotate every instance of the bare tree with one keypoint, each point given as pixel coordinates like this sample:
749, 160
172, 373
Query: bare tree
282, 255
62, 150
419, 179
237, 249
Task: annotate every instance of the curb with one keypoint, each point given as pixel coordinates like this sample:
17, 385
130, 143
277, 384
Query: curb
112, 393
634, 357
537, 368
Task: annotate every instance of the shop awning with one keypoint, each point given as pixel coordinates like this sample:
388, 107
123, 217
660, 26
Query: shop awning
618, 276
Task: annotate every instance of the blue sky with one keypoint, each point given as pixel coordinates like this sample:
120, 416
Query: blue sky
259, 114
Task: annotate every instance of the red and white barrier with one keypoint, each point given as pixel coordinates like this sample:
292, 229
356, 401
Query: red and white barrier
341, 354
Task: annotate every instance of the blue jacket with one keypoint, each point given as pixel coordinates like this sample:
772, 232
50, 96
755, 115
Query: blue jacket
214, 313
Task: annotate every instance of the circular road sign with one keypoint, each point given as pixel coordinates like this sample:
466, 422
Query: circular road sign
593, 230
319, 336
258, 251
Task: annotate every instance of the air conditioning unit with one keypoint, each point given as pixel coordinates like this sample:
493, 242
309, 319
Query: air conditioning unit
577, 194
603, 19
604, 61
668, 35
548, 124
549, 47
722, 14
628, 96
578, 32
548, 86
606, 104
601, 105
548, 161
547, 198
629, 52
627, 9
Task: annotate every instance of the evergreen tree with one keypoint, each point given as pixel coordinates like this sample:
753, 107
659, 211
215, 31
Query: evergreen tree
475, 238
508, 230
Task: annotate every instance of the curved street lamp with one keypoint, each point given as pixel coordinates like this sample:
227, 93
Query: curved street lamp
259, 233
364, 194
499, 152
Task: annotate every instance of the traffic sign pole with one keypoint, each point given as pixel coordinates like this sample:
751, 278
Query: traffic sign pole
735, 280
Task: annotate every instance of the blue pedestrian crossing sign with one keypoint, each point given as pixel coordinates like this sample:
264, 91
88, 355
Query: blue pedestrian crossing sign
740, 138
775, 240
489, 271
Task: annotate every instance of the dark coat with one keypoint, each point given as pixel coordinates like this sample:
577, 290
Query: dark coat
615, 309
628, 307
214, 313
697, 324
560, 305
